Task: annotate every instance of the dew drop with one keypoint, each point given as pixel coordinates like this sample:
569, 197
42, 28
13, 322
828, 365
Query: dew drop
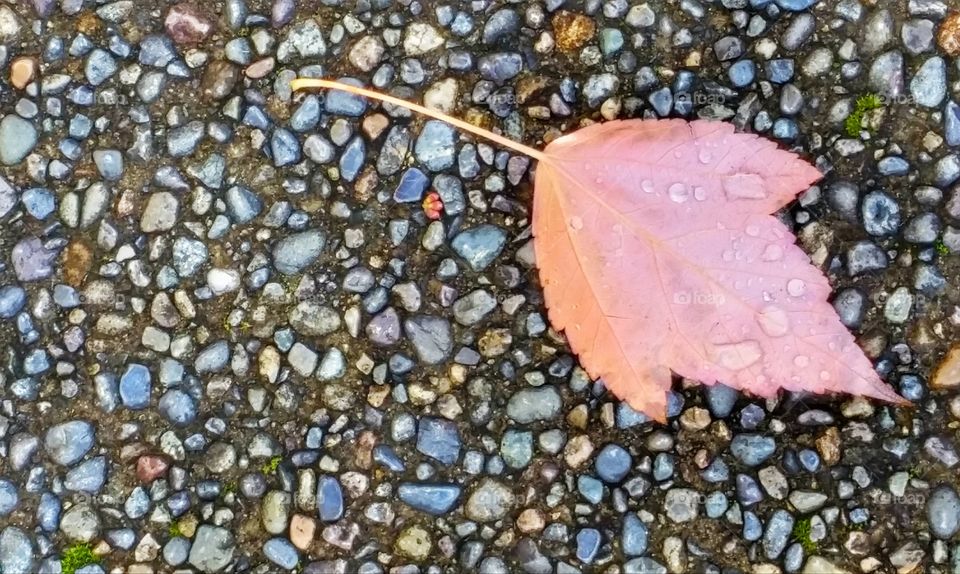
801, 361
699, 193
678, 193
598, 181
678, 154
647, 186
576, 222
753, 230
772, 252
824, 376
704, 156
737, 356
796, 287
774, 321
727, 255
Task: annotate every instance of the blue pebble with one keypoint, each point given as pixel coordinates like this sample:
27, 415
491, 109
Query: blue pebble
434, 147
54, 50
208, 489
306, 117
36, 362
135, 387
138, 503
809, 460
674, 404
752, 527
748, 491
780, 71
742, 73
413, 183
859, 515
663, 466
178, 503
439, 439
627, 417
284, 147
281, 552
721, 400
796, 5
785, 129
80, 46
89, 476
39, 202
479, 246
100, 65
178, 407
108, 395
752, 449
588, 544
912, 388
751, 416
122, 538
893, 165
951, 124
243, 204
384, 455
176, 551
716, 504
48, 512
432, 498
634, 536
793, 559
613, 463
8, 497
82, 95
716, 471
255, 118
12, 300
590, 488
157, 50
109, 163
778, 530
516, 448
343, 103
329, 499
352, 158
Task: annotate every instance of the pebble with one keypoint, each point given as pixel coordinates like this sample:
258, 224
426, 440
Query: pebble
294, 253
479, 246
18, 137
439, 439
212, 549
490, 501
435, 499
943, 512
537, 404
66, 443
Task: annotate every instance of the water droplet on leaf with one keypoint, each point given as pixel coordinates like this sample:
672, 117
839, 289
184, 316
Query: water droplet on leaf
796, 287
678, 193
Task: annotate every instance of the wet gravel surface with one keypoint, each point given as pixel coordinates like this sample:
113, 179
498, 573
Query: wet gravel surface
235, 338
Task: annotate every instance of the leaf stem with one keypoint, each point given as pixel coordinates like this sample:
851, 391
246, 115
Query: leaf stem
301, 83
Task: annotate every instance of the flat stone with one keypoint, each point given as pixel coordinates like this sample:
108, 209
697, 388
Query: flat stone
490, 501
212, 549
18, 137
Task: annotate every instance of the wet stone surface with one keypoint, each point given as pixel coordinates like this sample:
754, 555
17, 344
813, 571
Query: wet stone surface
234, 338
